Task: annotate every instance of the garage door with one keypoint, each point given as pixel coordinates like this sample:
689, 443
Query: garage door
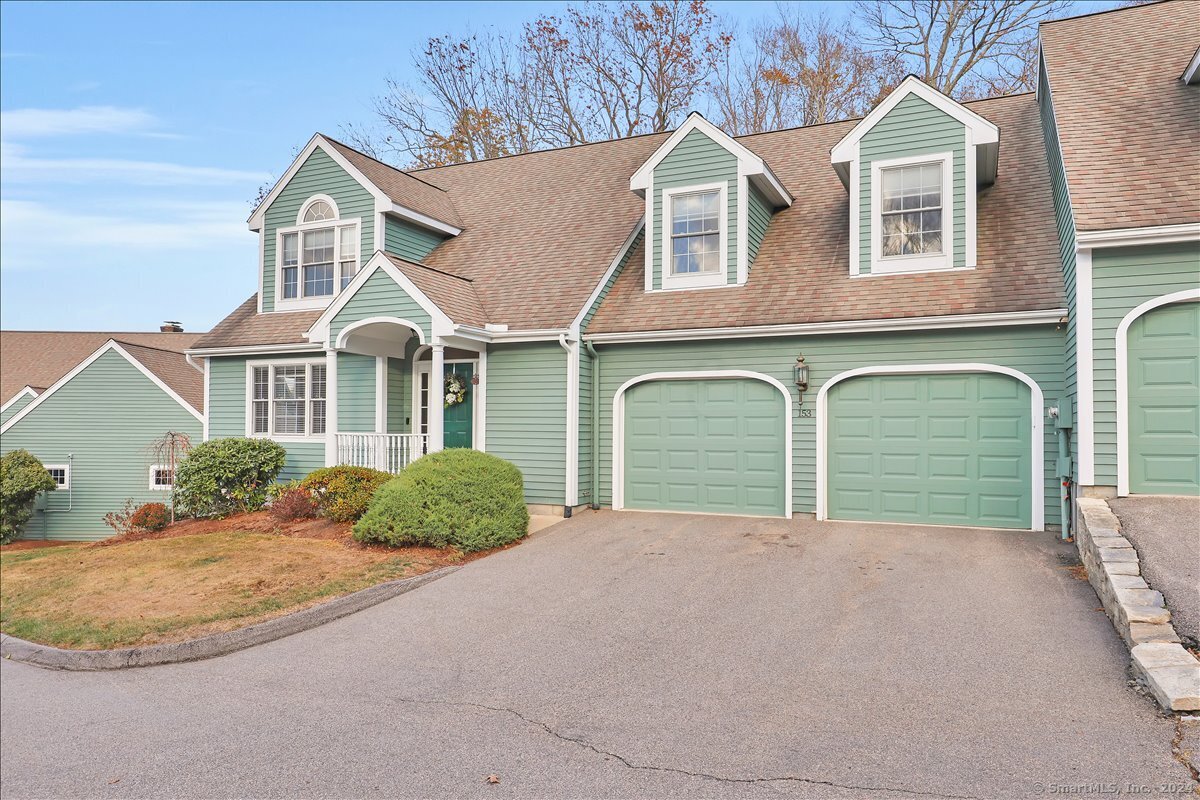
946, 449
1164, 401
714, 445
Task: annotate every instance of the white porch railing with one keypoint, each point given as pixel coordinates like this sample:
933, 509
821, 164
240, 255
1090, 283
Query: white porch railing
389, 452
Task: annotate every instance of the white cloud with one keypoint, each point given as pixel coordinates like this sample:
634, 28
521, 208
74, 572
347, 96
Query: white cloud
17, 167
36, 236
27, 123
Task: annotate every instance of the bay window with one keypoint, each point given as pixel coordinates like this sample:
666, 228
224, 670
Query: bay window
287, 399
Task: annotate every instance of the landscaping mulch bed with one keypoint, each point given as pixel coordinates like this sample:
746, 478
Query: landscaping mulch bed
31, 544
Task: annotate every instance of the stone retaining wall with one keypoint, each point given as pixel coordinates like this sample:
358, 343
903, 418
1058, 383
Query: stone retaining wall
1137, 611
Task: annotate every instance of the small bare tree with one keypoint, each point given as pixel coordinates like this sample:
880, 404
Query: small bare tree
963, 48
168, 451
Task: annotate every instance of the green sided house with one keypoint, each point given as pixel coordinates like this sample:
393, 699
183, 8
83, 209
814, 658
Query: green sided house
107, 397
943, 313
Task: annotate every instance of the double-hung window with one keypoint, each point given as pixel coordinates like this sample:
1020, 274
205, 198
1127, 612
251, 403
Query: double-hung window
287, 399
695, 233
912, 212
319, 256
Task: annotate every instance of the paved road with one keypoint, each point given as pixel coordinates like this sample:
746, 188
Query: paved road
639, 655
1166, 533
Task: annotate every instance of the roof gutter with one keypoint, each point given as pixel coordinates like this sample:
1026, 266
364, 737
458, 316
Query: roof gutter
1047, 317
252, 350
507, 336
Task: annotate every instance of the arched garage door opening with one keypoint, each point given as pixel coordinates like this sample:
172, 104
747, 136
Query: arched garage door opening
706, 442
953, 444
1158, 397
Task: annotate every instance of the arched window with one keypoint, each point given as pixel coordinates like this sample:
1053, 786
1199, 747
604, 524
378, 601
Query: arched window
319, 256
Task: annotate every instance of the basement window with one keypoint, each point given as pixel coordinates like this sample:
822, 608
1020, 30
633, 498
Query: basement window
61, 473
162, 478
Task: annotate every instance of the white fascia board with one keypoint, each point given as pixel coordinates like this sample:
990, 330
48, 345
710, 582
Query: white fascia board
318, 333
499, 337
386, 206
1192, 73
252, 350
982, 131
749, 164
28, 391
607, 276
113, 346
1126, 237
1047, 317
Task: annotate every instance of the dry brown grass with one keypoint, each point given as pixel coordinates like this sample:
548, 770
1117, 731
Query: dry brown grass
171, 589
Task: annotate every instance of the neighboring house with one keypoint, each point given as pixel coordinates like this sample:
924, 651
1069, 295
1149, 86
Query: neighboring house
628, 318
107, 397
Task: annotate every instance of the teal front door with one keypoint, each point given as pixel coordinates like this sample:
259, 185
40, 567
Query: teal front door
713, 445
947, 449
457, 418
1164, 401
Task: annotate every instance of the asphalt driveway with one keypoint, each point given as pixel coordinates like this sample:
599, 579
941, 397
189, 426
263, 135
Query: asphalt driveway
640, 655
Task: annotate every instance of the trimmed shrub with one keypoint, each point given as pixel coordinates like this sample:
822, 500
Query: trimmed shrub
292, 503
151, 517
343, 493
224, 476
458, 497
22, 478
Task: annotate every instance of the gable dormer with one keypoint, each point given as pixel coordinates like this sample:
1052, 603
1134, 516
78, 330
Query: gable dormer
913, 167
708, 202
330, 212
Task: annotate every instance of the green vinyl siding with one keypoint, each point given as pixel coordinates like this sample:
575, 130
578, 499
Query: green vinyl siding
697, 159
380, 296
17, 405
399, 390
711, 446
527, 415
912, 128
1033, 350
1122, 279
758, 214
1066, 242
227, 410
319, 174
356, 393
945, 449
1164, 400
101, 423
407, 240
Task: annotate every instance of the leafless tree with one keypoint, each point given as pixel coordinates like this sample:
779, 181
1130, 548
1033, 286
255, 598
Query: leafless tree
963, 48
167, 451
799, 70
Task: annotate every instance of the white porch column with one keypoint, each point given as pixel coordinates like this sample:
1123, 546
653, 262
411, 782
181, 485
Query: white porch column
331, 408
437, 396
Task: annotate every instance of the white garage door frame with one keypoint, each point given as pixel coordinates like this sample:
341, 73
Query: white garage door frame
618, 439
1038, 468
1123, 377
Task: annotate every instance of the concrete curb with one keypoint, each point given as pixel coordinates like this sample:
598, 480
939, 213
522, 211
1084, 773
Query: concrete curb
218, 644
1137, 612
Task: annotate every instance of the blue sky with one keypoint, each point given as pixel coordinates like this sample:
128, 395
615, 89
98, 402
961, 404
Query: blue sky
133, 135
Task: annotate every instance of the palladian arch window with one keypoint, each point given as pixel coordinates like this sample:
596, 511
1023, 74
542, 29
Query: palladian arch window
319, 256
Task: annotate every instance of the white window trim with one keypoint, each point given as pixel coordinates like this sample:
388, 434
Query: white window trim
155, 487
881, 264
66, 468
301, 303
695, 281
308, 435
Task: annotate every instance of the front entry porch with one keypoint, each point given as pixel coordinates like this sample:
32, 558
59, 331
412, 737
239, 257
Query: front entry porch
389, 409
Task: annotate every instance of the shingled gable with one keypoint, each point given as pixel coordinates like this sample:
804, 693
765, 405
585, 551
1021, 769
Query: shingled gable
984, 135
395, 192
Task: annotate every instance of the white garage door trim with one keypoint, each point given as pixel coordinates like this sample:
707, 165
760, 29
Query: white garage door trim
1038, 489
1123, 378
618, 443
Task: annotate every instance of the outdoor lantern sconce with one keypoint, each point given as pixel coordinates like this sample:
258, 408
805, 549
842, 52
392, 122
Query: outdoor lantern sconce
801, 373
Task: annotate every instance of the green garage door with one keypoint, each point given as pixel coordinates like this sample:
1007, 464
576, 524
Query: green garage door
946, 449
1164, 401
714, 445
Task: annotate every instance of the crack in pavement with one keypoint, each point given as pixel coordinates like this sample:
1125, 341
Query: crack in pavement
1181, 755
676, 770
